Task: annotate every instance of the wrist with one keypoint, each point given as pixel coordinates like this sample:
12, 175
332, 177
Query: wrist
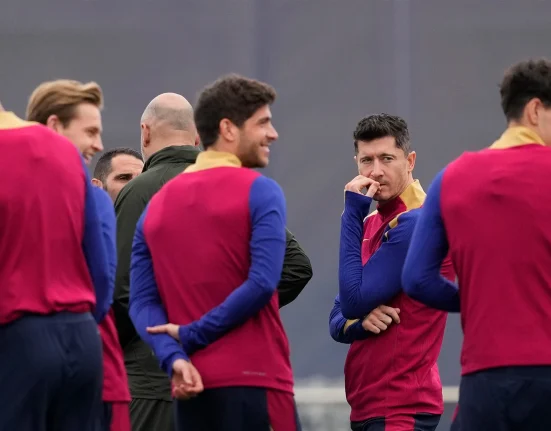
357, 203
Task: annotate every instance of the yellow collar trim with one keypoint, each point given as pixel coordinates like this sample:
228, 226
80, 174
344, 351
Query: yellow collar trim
214, 159
413, 196
516, 136
8, 120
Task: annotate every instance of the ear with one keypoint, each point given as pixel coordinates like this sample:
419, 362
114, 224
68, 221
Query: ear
411, 161
146, 134
531, 111
97, 183
53, 123
197, 140
228, 131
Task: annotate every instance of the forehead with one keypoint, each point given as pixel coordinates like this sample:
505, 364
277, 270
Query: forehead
376, 147
88, 114
125, 162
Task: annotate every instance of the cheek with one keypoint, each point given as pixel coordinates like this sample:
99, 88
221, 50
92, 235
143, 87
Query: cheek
364, 170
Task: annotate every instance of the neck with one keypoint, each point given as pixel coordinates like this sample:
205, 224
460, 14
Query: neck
1, 108
222, 147
521, 123
159, 145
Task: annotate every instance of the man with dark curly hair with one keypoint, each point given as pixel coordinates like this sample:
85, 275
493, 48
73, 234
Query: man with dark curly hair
224, 224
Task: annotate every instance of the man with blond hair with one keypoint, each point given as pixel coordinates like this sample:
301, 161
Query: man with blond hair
73, 109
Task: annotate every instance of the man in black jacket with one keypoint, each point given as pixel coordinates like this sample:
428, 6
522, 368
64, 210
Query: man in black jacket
169, 143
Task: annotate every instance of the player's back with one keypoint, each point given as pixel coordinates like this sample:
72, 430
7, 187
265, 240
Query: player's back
497, 215
42, 265
198, 228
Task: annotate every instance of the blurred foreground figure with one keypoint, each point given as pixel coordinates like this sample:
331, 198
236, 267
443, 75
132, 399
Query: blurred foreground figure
55, 278
501, 250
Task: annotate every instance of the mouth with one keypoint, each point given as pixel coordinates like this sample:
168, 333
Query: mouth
265, 148
87, 158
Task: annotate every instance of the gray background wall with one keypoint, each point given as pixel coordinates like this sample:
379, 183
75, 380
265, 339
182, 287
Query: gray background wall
437, 63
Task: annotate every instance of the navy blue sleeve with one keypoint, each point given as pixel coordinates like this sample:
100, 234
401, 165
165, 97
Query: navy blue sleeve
97, 245
429, 246
267, 248
364, 288
343, 330
145, 306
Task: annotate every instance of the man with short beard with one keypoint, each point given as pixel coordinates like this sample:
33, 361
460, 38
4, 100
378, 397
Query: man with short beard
208, 255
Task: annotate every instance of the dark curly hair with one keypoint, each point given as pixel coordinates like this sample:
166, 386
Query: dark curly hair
523, 82
233, 97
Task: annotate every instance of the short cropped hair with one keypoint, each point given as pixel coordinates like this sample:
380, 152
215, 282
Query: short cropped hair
60, 98
104, 166
380, 126
523, 82
233, 97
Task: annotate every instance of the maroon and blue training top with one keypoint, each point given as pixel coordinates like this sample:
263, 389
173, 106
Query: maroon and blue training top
208, 255
491, 210
393, 374
55, 254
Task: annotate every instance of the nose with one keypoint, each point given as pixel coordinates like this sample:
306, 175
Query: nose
377, 171
272, 134
98, 145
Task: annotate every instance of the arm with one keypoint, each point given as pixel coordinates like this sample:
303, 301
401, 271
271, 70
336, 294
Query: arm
146, 308
429, 246
364, 288
128, 207
267, 248
97, 245
345, 331
297, 271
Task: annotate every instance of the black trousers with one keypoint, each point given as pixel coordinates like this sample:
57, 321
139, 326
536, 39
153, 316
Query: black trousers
148, 415
505, 399
419, 422
237, 408
51, 373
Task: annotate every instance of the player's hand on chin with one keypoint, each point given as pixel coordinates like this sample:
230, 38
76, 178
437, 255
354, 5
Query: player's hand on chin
186, 380
168, 328
380, 318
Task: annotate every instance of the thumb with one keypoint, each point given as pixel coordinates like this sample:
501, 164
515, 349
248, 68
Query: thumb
186, 375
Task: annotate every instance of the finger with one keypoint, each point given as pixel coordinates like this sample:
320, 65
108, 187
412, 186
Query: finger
391, 313
186, 376
368, 326
198, 381
372, 189
381, 325
380, 315
160, 329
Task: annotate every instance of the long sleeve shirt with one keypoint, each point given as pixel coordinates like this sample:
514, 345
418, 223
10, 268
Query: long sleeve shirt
223, 298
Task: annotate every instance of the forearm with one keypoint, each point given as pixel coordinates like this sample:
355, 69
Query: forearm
151, 313
421, 276
364, 288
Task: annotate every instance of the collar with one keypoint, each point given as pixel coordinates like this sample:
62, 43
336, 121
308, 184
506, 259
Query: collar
214, 159
173, 154
412, 197
515, 137
8, 120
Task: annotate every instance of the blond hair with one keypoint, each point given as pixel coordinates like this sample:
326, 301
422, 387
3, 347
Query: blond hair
60, 98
